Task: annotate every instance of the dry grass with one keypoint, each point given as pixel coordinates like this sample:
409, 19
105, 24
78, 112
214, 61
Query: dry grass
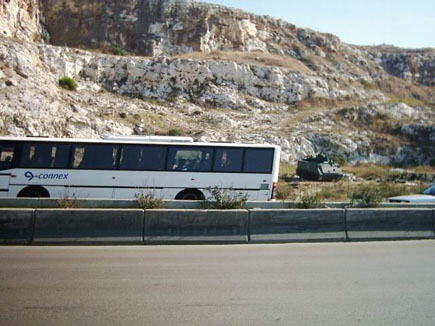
285, 191
382, 172
344, 190
154, 123
265, 59
399, 90
315, 102
326, 191
407, 101
311, 106
424, 169
148, 201
391, 189
369, 171
67, 200
287, 170
336, 191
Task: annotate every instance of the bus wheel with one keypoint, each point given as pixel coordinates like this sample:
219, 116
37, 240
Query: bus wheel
190, 194
34, 191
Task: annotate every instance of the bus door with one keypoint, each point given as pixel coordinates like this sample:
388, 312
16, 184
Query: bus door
6, 156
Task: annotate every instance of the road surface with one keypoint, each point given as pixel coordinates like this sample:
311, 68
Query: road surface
373, 283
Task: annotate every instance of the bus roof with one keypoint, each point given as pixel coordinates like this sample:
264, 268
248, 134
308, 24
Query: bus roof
136, 140
169, 139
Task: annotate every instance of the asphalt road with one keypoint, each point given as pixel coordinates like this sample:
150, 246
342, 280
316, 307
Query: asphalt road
378, 283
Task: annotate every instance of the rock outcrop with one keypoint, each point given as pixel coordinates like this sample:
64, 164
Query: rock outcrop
150, 27
171, 27
417, 67
21, 19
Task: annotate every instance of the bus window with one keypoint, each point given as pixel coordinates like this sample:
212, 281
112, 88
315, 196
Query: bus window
131, 157
258, 160
189, 159
60, 154
151, 158
228, 160
45, 155
6, 155
154, 158
94, 156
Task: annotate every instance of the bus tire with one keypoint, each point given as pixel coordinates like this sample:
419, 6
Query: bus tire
34, 191
190, 194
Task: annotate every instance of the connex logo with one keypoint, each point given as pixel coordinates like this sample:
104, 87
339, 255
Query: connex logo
29, 175
45, 176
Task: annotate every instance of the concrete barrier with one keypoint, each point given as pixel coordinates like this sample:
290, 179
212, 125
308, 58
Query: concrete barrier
287, 225
101, 226
16, 226
195, 226
19, 203
384, 224
97, 226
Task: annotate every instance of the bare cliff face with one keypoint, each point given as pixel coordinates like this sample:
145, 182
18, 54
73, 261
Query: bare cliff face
214, 73
21, 19
149, 27
170, 27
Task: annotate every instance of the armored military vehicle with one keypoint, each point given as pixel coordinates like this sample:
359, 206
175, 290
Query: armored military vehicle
318, 168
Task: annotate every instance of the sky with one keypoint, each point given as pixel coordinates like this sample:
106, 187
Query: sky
403, 23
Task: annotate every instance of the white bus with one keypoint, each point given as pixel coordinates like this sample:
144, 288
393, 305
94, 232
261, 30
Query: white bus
124, 167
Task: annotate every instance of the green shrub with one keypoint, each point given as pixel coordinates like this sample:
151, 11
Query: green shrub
341, 160
68, 83
175, 132
308, 200
367, 85
117, 50
367, 195
225, 199
148, 201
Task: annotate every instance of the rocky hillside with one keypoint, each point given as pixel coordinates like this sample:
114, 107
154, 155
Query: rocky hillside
159, 66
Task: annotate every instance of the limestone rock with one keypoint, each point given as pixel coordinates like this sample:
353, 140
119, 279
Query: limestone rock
303, 90
21, 19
